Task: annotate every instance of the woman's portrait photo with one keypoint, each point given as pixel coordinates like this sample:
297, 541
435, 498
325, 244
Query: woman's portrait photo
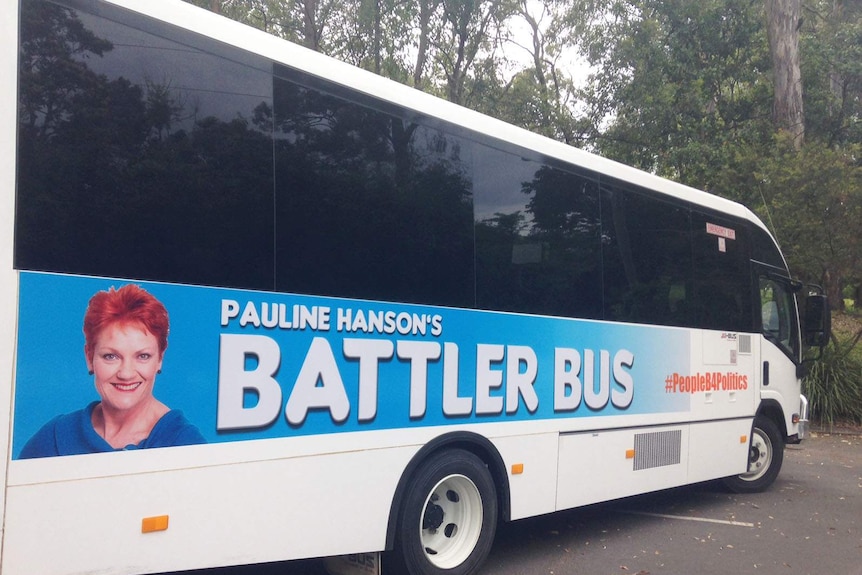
125, 340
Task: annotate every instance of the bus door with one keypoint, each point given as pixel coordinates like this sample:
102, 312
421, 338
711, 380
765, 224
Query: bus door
781, 344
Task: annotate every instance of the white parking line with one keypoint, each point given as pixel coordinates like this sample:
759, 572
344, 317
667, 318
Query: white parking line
686, 518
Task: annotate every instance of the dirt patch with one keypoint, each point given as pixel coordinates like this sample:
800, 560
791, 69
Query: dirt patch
836, 429
846, 324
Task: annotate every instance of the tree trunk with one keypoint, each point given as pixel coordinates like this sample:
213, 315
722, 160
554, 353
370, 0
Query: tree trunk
832, 286
377, 34
311, 36
426, 8
783, 23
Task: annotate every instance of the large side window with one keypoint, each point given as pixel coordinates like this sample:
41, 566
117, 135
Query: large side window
722, 274
369, 204
778, 314
763, 248
141, 154
647, 254
537, 237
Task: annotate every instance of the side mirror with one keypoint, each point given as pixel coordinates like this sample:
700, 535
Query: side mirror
817, 321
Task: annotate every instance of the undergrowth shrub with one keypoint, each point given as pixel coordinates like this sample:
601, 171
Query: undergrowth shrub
834, 384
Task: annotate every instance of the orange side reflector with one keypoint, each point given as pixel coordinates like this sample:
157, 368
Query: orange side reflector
151, 524
517, 469
743, 439
630, 453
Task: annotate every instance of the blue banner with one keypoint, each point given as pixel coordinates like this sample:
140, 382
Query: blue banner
244, 365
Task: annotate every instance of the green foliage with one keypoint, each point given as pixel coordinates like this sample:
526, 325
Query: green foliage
813, 201
834, 385
683, 84
832, 71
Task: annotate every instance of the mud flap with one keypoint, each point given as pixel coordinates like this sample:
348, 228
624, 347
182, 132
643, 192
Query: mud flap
357, 564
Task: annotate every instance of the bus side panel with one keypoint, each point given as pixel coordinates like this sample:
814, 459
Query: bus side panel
219, 515
604, 465
533, 485
725, 382
718, 449
782, 386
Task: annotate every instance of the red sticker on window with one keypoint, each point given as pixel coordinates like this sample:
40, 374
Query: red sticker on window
720, 231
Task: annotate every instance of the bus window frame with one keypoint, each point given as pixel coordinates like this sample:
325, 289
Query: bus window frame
788, 317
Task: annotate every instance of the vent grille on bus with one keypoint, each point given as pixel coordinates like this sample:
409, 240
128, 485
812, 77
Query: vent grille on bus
744, 343
657, 449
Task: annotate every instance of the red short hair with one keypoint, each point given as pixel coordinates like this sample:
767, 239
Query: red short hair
130, 304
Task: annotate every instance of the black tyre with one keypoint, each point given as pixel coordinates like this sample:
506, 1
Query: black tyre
448, 517
765, 456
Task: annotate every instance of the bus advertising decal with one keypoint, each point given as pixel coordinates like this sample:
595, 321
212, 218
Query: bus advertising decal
703, 382
241, 365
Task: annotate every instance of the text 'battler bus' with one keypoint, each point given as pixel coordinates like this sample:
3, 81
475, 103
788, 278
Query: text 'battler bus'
260, 305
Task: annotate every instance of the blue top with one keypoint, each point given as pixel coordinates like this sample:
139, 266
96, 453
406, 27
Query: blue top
73, 434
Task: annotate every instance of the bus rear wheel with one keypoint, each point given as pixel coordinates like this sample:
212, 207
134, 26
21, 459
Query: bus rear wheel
449, 516
765, 456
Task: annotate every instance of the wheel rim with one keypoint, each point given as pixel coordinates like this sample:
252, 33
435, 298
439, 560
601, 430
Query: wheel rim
759, 456
451, 521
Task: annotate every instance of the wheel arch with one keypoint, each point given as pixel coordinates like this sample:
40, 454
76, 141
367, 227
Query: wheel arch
474, 443
772, 409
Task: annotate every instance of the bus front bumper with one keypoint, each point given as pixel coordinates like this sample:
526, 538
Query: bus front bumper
801, 419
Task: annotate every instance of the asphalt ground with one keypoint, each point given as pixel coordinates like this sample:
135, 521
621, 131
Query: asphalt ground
808, 522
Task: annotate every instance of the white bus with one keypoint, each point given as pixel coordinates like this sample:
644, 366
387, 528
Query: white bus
259, 305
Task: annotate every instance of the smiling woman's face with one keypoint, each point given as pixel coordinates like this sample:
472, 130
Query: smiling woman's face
125, 360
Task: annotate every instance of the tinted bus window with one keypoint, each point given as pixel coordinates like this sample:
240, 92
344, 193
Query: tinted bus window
647, 258
368, 204
764, 250
152, 161
722, 274
537, 237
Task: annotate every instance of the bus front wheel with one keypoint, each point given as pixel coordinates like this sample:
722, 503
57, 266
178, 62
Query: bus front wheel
765, 456
449, 516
